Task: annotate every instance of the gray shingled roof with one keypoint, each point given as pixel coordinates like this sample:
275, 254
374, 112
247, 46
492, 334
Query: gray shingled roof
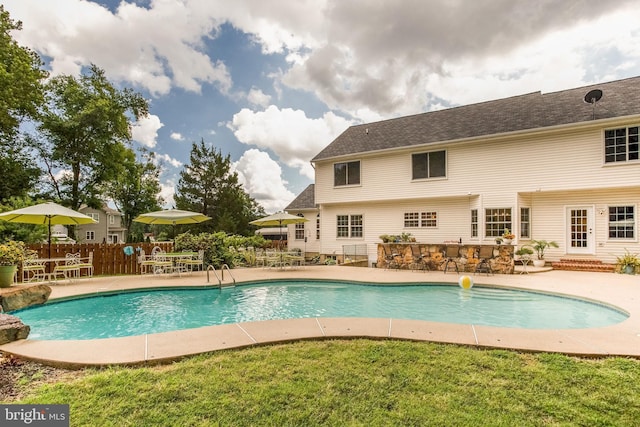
305, 200
530, 111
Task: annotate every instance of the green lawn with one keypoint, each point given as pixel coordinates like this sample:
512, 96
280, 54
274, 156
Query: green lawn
359, 383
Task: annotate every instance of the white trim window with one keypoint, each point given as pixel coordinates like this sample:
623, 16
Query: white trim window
346, 173
525, 223
421, 219
299, 231
318, 227
95, 216
349, 226
91, 235
621, 145
496, 221
622, 222
432, 164
474, 223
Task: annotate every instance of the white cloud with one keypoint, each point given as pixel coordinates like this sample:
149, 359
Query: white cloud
165, 158
262, 179
167, 191
154, 48
145, 130
258, 98
176, 136
290, 134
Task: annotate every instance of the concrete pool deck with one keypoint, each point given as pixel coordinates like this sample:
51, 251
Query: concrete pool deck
621, 291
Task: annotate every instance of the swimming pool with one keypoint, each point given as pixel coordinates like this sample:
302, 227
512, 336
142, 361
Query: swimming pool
160, 310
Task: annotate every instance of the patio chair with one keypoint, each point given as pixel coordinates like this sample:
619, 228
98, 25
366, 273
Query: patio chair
145, 262
484, 265
194, 263
70, 269
390, 258
87, 265
451, 255
418, 259
33, 269
161, 263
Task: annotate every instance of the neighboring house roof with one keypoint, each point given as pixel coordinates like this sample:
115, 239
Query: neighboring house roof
518, 113
305, 200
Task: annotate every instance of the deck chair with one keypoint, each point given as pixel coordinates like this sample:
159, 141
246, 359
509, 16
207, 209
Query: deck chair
451, 255
484, 265
70, 269
194, 263
87, 264
146, 262
33, 269
390, 258
418, 259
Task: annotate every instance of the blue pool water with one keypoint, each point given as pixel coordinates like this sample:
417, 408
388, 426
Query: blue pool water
152, 311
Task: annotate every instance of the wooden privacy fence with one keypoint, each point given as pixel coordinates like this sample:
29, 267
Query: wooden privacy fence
108, 258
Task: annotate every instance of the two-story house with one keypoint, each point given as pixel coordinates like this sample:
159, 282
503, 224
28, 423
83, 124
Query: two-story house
560, 166
107, 228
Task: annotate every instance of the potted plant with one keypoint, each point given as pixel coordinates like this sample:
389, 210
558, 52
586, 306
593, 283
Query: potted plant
540, 246
627, 263
499, 240
11, 254
508, 236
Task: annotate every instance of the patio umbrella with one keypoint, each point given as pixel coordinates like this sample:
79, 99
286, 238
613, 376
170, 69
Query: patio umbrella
172, 217
278, 220
46, 214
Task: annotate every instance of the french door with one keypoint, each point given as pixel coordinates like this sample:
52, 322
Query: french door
580, 233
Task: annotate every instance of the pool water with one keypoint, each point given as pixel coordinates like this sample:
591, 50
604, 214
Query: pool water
153, 311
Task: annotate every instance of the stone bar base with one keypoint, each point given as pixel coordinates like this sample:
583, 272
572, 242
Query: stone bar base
434, 256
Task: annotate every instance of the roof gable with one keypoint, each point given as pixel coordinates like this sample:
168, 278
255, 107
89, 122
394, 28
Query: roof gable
305, 200
524, 112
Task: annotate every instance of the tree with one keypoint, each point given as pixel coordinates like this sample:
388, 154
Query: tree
208, 185
84, 128
137, 187
21, 76
21, 94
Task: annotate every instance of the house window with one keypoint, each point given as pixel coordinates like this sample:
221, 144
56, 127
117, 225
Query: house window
429, 165
299, 232
91, 235
525, 223
429, 219
318, 227
349, 226
95, 216
621, 145
496, 221
474, 222
347, 173
411, 219
622, 222
420, 219
112, 219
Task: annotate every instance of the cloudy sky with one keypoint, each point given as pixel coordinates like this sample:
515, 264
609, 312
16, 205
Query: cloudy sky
272, 82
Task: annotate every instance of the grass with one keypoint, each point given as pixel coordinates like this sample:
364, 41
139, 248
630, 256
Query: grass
357, 383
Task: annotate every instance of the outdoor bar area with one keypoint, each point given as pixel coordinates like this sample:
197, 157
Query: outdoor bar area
450, 256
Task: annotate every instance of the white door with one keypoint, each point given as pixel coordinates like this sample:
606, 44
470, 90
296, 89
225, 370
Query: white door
580, 232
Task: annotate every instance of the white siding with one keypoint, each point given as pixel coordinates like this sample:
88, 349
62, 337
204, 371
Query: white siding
545, 172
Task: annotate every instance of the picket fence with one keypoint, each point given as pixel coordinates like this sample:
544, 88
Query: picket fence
108, 258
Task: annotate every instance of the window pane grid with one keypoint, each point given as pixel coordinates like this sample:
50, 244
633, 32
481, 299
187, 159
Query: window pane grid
622, 222
525, 222
621, 145
474, 222
496, 221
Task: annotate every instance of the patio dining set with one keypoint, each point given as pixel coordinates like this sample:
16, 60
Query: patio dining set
161, 262
69, 267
